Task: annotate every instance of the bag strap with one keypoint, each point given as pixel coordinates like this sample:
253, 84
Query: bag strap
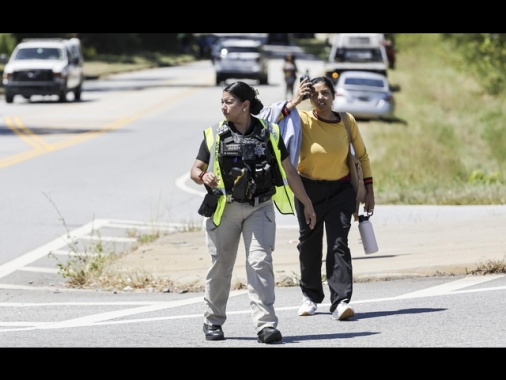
344, 117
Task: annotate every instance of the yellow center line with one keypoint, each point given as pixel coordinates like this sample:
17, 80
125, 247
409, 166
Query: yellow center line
26, 134
85, 136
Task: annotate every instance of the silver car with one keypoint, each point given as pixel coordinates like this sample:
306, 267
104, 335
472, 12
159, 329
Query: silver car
241, 59
365, 95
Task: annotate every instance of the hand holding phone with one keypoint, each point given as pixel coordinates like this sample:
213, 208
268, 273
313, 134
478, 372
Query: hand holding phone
302, 79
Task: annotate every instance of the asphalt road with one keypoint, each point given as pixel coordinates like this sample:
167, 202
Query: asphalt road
453, 311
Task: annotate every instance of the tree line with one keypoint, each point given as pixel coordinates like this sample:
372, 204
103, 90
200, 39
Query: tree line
133, 43
484, 54
115, 43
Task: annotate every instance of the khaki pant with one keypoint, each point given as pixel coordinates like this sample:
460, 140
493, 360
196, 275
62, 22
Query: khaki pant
257, 226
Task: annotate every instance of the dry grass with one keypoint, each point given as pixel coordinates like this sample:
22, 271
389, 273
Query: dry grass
439, 150
490, 267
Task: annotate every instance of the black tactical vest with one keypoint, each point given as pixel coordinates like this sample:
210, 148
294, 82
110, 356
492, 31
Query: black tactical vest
246, 162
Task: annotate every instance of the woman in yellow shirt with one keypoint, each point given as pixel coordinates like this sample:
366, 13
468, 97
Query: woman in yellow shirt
324, 172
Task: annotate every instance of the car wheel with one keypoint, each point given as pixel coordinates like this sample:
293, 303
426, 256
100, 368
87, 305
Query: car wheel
62, 97
264, 79
77, 94
9, 98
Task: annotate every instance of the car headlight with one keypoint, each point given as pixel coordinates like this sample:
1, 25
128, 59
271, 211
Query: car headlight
6, 78
60, 76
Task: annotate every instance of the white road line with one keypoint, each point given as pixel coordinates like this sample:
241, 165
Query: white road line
39, 269
181, 184
108, 238
26, 287
450, 287
87, 232
116, 223
100, 319
44, 250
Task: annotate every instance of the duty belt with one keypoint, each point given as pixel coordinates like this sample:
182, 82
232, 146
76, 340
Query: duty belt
255, 201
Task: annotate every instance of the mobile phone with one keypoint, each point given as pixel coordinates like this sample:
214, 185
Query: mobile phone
302, 78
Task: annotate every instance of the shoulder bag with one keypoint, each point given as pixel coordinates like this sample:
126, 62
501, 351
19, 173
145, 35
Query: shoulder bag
356, 174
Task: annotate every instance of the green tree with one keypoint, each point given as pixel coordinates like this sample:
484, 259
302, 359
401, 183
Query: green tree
484, 55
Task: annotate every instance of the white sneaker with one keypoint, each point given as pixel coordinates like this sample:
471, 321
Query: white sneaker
343, 311
307, 307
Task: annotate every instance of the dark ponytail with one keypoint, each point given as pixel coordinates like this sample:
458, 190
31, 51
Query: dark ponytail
243, 92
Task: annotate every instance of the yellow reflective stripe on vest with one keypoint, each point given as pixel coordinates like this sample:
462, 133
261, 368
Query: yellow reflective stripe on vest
283, 198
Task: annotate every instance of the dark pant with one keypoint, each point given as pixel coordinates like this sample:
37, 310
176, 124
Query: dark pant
334, 203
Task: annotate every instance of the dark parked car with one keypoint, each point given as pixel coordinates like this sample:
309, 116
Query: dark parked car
241, 59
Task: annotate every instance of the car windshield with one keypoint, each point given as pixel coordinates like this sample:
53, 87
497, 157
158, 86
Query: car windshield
364, 82
39, 53
239, 49
358, 55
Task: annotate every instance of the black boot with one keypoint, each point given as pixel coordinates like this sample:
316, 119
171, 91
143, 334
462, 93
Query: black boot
269, 335
213, 332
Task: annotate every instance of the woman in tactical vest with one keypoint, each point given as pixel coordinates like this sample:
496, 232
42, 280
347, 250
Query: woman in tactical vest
244, 162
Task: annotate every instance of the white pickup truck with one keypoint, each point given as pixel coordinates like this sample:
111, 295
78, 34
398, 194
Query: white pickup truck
356, 51
44, 67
